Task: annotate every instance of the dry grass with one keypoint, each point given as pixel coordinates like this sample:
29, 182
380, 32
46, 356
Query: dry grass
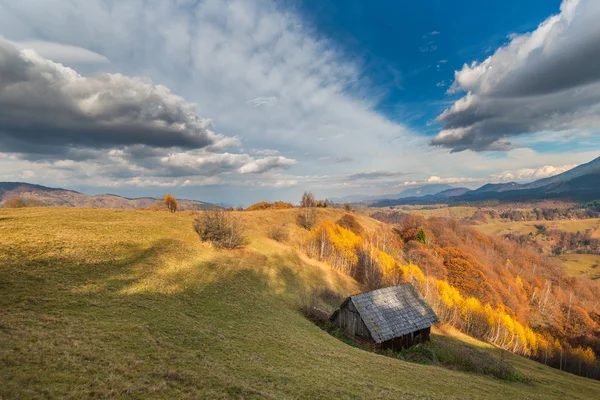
458, 212
525, 227
115, 303
582, 264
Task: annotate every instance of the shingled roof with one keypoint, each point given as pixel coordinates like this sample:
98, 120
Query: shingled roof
393, 311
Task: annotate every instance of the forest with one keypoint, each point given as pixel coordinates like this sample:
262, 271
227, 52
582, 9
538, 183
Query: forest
499, 290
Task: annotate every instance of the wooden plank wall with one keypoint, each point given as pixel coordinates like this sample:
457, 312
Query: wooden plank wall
349, 320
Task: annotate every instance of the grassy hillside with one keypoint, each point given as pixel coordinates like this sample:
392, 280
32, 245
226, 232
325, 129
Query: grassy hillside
107, 303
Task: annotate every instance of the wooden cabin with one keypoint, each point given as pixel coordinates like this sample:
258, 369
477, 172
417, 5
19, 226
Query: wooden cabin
393, 318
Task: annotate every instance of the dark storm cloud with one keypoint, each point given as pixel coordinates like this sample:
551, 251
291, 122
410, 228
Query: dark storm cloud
547, 80
46, 107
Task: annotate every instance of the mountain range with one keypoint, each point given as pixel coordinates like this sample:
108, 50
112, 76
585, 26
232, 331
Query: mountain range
579, 184
409, 192
48, 196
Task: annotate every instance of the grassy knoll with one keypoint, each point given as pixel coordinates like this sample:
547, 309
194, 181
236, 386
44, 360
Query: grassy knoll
116, 303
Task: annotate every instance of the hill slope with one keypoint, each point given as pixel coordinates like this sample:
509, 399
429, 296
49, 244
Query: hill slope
70, 198
591, 168
118, 303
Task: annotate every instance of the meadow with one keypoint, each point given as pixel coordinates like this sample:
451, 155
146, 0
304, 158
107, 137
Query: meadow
582, 264
122, 303
526, 227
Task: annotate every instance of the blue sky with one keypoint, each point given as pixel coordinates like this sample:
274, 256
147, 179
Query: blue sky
410, 50
239, 101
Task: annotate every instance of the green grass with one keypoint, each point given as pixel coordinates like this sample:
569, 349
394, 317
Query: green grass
115, 303
452, 353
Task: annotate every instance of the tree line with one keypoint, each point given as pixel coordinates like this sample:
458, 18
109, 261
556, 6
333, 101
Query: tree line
499, 291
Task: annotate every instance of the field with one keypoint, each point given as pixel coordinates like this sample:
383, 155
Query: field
123, 303
582, 264
458, 212
526, 227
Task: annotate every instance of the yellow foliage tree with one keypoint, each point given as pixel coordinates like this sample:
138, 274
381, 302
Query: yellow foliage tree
171, 202
336, 244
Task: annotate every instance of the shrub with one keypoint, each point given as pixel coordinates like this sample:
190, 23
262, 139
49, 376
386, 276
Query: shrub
306, 217
350, 222
422, 237
220, 229
348, 207
171, 202
278, 233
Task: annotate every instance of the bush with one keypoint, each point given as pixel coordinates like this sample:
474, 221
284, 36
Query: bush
350, 222
220, 229
422, 237
278, 233
306, 217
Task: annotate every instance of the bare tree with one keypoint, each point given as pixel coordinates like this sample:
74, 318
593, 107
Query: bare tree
307, 215
308, 200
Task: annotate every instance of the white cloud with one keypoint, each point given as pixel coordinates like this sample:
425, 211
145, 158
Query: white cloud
280, 183
546, 80
62, 53
265, 152
266, 164
263, 101
527, 174
447, 180
521, 175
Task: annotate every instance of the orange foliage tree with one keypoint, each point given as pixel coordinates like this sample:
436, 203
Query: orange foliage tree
472, 284
171, 202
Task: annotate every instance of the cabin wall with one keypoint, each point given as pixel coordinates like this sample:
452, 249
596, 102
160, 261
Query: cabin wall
351, 322
408, 340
